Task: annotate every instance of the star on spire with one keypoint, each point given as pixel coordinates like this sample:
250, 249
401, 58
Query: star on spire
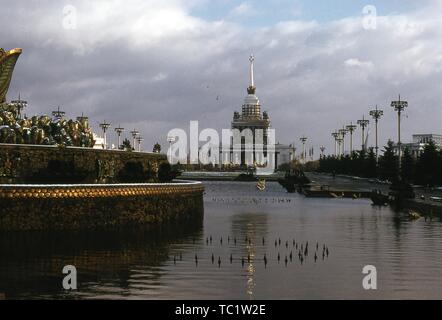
251, 89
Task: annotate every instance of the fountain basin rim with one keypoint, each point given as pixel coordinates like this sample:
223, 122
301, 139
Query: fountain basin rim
101, 185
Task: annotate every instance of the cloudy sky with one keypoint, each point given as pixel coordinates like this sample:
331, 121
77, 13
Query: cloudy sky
155, 65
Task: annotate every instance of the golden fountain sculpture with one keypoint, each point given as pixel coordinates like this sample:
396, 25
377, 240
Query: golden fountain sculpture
40, 130
7, 64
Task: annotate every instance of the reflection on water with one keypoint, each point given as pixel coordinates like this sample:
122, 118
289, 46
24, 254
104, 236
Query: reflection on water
252, 227
31, 262
251, 245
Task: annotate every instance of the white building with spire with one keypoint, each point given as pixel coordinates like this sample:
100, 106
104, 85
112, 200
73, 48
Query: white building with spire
252, 118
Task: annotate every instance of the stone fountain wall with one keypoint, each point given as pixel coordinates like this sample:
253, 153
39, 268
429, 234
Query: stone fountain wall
98, 200
97, 206
22, 163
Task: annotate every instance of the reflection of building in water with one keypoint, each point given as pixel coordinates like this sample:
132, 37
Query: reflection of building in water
254, 228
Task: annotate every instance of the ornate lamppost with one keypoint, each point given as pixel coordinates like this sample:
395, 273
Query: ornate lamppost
134, 134
351, 128
303, 140
19, 104
399, 106
342, 133
293, 154
335, 135
339, 140
376, 115
363, 123
104, 126
119, 130
139, 140
171, 140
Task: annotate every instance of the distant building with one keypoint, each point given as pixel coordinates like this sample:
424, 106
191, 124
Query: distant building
99, 142
423, 139
251, 118
420, 141
284, 154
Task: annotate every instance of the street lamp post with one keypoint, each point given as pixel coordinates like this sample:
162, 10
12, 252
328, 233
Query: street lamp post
119, 130
303, 140
376, 115
293, 154
363, 123
134, 134
19, 105
339, 140
351, 128
170, 139
139, 140
104, 126
335, 135
399, 106
342, 133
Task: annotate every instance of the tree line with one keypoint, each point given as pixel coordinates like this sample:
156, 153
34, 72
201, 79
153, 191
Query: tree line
425, 170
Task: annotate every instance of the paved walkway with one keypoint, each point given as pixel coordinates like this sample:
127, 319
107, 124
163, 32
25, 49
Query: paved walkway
339, 183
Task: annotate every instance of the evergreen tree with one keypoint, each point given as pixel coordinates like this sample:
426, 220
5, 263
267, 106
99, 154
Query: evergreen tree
359, 163
428, 165
407, 166
439, 172
370, 164
346, 164
388, 163
126, 145
157, 148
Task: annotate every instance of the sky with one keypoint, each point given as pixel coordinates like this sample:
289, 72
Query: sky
155, 65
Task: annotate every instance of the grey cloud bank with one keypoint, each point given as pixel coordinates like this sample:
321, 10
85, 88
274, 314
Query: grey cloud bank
154, 66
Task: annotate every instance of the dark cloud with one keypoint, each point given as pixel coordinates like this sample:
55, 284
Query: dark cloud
153, 66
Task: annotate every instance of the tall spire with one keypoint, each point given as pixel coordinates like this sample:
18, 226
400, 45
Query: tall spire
251, 89
252, 60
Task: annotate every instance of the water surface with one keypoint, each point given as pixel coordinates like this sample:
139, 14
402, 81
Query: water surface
159, 263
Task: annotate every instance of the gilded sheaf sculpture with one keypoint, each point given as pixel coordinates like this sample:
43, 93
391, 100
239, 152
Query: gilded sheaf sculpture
40, 130
7, 63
